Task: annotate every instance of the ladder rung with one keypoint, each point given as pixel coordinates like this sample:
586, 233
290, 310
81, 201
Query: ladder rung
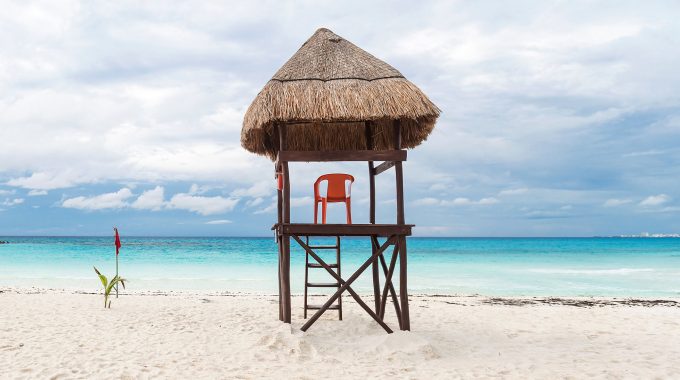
323, 246
323, 284
317, 307
314, 265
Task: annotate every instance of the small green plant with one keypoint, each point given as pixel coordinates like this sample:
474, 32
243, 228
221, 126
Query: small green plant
109, 286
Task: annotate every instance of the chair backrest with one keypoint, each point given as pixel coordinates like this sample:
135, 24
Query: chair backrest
336, 186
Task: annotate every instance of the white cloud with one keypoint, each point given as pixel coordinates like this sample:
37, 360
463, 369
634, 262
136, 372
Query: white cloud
115, 200
301, 201
154, 200
219, 221
488, 201
655, 200
651, 152
151, 199
614, 202
202, 205
428, 201
259, 189
35, 193
513, 191
267, 210
46, 181
197, 189
6, 192
546, 214
254, 202
460, 201
12, 202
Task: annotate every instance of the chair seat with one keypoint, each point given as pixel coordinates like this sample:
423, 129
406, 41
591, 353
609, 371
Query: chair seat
335, 193
332, 200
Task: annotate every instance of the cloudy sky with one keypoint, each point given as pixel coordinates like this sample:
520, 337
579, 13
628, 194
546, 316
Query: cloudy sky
559, 118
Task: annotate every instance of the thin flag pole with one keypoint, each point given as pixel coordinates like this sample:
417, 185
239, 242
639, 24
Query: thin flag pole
117, 244
116, 275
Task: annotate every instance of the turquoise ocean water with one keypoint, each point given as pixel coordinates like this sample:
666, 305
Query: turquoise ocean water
628, 267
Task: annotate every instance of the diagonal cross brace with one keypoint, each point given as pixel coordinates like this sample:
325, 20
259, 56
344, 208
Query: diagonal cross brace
345, 284
389, 286
388, 282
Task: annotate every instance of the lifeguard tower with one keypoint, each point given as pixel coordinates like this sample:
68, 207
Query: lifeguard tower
333, 101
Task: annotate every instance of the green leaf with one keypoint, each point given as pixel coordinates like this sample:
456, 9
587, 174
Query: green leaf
111, 285
102, 278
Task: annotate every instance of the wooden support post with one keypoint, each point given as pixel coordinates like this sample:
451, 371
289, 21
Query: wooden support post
403, 272
279, 208
304, 306
285, 238
371, 183
371, 175
399, 175
280, 251
403, 290
375, 269
400, 194
285, 269
337, 261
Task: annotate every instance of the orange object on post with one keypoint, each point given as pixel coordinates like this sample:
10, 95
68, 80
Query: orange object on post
279, 181
334, 193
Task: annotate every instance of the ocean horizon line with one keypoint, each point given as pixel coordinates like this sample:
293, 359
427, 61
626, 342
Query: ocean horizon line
352, 237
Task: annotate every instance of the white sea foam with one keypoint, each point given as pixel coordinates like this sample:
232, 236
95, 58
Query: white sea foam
617, 271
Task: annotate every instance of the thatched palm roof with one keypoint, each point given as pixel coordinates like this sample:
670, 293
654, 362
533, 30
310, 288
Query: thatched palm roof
326, 91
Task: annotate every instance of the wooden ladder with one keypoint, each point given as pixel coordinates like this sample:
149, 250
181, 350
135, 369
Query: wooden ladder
335, 266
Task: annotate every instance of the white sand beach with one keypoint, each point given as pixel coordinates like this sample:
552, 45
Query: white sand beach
61, 334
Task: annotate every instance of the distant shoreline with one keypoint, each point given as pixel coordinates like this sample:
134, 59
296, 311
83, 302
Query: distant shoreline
576, 301
650, 236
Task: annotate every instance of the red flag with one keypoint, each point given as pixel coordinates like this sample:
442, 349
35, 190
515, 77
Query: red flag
117, 240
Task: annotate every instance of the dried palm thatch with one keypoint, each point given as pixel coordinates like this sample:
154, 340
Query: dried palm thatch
326, 92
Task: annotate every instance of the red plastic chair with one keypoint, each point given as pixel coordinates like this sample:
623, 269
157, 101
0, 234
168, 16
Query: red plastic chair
334, 193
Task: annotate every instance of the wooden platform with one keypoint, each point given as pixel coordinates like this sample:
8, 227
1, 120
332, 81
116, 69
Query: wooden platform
311, 229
